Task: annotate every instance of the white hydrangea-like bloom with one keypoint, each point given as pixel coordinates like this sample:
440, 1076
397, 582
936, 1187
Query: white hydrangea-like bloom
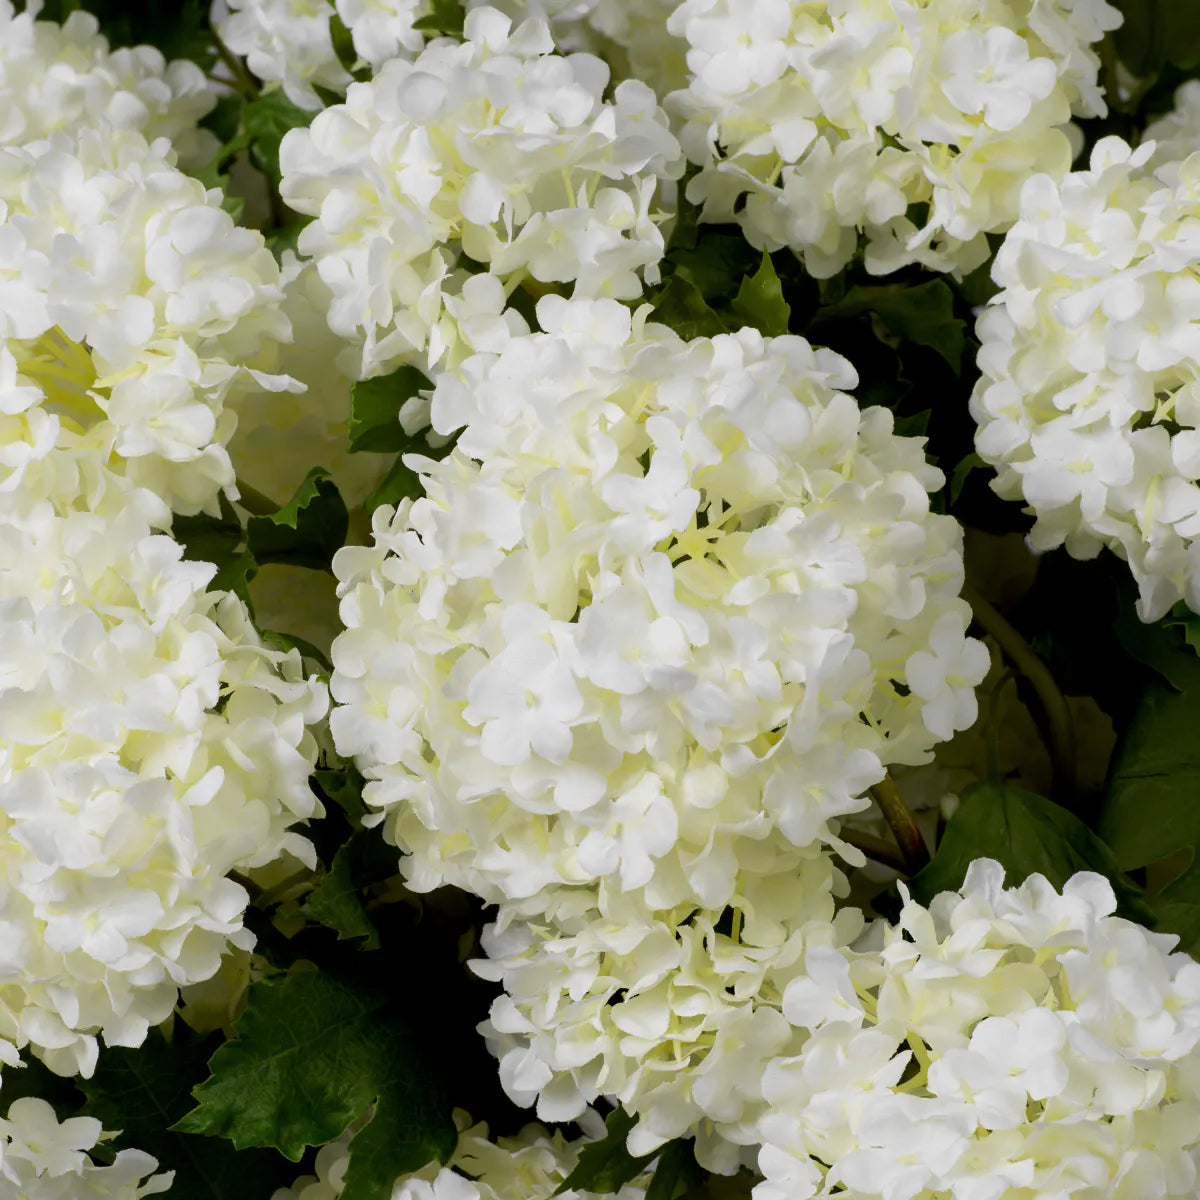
630, 35
42, 1158
149, 745
675, 1013
291, 42
1088, 404
913, 124
1001, 1043
1176, 134
496, 148
62, 77
667, 607
133, 315
531, 1165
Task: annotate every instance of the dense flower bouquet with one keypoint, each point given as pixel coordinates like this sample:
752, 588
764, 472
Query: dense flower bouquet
599, 598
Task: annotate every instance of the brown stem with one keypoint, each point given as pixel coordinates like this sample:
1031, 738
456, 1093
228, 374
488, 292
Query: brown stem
900, 821
877, 849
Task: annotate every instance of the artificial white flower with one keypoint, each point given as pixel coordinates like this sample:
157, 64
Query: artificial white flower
1176, 134
912, 124
44, 1159
1087, 404
495, 148
1001, 1043
134, 318
62, 77
292, 42
150, 744
653, 615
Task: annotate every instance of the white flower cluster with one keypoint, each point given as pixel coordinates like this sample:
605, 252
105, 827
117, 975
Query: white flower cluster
1176, 134
532, 1165
1002, 1043
62, 77
495, 148
663, 615
1088, 404
291, 42
132, 315
630, 35
42, 1158
149, 744
913, 123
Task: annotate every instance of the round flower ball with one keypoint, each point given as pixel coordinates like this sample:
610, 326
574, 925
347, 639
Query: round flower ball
912, 125
999, 1042
1088, 404
665, 603
495, 148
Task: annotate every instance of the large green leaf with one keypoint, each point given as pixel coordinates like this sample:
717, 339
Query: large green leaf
680, 305
335, 901
1028, 835
265, 120
141, 1092
315, 1051
307, 531
606, 1165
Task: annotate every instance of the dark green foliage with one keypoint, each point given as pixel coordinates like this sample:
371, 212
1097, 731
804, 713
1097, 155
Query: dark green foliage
305, 532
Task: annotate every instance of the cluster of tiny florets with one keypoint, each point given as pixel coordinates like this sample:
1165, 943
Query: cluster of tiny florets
912, 124
494, 148
1088, 404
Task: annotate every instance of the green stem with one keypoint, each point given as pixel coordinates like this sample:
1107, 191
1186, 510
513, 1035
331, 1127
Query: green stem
914, 852
243, 82
1060, 727
877, 849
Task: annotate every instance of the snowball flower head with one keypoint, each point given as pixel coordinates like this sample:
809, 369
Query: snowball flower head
134, 318
911, 124
1003, 1042
1088, 404
296, 43
149, 745
42, 1158
657, 607
62, 77
496, 148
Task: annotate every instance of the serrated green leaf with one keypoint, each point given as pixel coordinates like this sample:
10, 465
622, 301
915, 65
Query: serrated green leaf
219, 540
715, 261
606, 1165
313, 1052
141, 1092
342, 786
923, 314
375, 412
680, 306
1027, 834
759, 301
916, 425
335, 902
265, 121
307, 531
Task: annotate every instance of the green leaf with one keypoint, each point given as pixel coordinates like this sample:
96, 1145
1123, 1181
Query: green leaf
1165, 646
141, 1092
606, 1165
313, 1052
335, 902
342, 786
714, 261
179, 30
265, 120
1150, 808
288, 641
1027, 834
398, 484
219, 540
916, 425
677, 1172
760, 301
307, 531
680, 305
923, 314
963, 468
375, 411
1180, 33
445, 17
